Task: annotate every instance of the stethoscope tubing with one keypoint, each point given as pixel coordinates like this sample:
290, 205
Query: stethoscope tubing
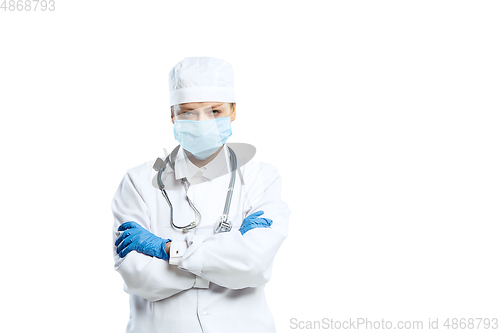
224, 225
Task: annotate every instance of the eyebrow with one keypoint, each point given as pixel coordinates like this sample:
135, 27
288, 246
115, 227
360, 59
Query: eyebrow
213, 106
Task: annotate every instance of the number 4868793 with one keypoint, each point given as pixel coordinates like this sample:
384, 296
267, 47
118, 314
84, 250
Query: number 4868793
28, 5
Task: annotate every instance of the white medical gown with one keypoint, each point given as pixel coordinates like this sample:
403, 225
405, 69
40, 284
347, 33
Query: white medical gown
217, 285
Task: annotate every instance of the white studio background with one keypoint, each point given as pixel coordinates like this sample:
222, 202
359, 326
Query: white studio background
382, 117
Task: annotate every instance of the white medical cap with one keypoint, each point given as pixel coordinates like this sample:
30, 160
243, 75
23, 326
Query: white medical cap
201, 79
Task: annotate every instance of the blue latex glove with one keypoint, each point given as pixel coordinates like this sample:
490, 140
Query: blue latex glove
135, 237
254, 221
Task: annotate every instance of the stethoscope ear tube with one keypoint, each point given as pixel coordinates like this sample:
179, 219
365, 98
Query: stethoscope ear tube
162, 189
224, 225
161, 165
230, 189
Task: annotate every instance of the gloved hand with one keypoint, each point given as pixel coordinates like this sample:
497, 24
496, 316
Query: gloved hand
254, 221
135, 237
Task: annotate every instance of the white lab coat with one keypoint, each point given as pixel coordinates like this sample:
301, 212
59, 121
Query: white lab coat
217, 283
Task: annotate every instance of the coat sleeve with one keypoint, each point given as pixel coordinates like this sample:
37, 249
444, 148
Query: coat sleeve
236, 261
148, 277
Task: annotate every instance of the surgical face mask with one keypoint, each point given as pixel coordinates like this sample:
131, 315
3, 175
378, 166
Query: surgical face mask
202, 138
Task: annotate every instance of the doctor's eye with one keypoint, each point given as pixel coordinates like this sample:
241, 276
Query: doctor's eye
187, 114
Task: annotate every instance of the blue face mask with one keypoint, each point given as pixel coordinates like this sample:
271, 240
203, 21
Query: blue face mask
202, 138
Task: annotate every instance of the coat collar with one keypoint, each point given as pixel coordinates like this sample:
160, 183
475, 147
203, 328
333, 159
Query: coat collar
184, 168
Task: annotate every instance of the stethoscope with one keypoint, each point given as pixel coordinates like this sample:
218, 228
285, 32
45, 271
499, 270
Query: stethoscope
224, 225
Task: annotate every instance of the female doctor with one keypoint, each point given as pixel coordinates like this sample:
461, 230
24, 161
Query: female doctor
184, 271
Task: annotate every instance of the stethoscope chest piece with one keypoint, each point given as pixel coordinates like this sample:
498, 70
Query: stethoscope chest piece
224, 225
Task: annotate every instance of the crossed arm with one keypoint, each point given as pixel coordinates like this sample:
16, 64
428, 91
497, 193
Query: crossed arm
142, 257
